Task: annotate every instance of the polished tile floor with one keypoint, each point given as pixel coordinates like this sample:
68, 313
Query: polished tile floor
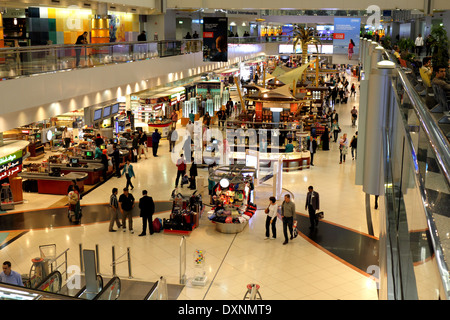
312, 266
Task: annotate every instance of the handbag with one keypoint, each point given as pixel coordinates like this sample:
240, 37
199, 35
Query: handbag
267, 210
319, 215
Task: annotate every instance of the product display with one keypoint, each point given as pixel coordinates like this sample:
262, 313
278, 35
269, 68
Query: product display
232, 198
185, 215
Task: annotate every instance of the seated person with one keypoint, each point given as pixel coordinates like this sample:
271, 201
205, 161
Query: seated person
289, 146
425, 72
397, 53
440, 79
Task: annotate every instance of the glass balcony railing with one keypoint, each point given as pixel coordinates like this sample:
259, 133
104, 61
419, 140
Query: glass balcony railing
279, 39
417, 193
25, 61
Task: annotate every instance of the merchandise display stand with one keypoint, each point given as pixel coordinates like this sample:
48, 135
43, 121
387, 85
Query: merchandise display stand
187, 209
232, 197
199, 268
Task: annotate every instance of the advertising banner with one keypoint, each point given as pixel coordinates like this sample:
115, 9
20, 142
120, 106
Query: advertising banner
215, 39
346, 29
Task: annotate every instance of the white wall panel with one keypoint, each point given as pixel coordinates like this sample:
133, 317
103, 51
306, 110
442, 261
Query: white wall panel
43, 96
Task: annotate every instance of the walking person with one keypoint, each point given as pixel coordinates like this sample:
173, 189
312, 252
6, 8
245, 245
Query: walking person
221, 116
174, 118
156, 136
142, 144
334, 116
335, 129
82, 39
230, 107
353, 90
312, 204
287, 214
172, 136
343, 147
126, 205
311, 144
354, 144
129, 173
116, 160
428, 44
147, 207
67, 137
193, 173
326, 139
114, 205
142, 36
419, 45
271, 219
135, 148
181, 166
105, 163
207, 119
354, 114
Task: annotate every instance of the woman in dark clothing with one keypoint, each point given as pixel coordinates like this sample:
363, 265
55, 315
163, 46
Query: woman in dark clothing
193, 174
326, 139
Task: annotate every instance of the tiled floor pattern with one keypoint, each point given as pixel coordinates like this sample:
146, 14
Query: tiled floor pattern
299, 270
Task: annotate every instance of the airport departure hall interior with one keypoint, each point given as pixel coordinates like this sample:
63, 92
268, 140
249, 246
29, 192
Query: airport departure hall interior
224, 151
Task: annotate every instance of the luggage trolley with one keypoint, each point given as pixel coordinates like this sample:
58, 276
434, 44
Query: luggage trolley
252, 292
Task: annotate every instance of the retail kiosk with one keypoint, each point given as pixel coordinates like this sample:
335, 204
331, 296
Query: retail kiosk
232, 196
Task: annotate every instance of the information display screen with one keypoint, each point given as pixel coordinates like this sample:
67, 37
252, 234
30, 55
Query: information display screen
115, 108
106, 111
97, 114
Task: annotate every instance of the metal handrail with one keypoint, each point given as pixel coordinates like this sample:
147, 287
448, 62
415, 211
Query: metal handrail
63, 263
152, 290
107, 287
442, 153
434, 134
51, 275
89, 45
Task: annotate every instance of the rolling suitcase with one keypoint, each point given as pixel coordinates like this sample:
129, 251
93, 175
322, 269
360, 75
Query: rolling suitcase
157, 225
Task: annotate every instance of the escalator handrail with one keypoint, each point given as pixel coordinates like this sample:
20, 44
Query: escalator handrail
438, 142
105, 288
151, 290
49, 277
82, 290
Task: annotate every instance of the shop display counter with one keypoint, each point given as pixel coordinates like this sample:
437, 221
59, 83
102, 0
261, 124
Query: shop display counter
162, 126
292, 160
48, 184
230, 228
93, 170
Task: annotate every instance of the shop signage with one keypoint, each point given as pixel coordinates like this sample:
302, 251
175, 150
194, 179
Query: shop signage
215, 39
10, 165
346, 29
339, 36
11, 157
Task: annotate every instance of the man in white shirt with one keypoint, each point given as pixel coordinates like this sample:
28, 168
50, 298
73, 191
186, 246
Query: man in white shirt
190, 128
67, 137
419, 44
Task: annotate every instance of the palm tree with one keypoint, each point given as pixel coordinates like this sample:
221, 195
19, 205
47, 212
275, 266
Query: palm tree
305, 36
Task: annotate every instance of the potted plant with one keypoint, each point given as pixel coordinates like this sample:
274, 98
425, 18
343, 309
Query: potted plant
439, 46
